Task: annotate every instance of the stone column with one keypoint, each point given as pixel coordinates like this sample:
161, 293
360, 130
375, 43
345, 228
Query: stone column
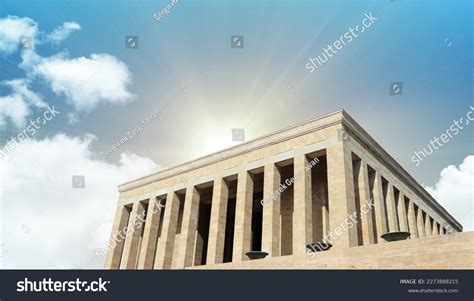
428, 225
391, 209
421, 223
215, 249
365, 204
117, 238
164, 252
198, 249
302, 219
150, 234
325, 217
341, 195
412, 220
435, 228
271, 211
402, 213
381, 222
132, 242
243, 217
189, 228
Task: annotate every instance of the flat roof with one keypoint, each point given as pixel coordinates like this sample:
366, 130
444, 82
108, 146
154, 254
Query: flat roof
303, 128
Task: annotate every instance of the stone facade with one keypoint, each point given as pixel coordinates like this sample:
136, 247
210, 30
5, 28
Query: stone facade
453, 252
324, 181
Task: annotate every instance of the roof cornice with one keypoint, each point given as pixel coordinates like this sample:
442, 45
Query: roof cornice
291, 132
356, 130
263, 141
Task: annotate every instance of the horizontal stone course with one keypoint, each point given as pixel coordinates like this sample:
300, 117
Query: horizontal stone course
454, 251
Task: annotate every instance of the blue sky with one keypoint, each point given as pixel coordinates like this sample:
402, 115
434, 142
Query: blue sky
185, 68
190, 47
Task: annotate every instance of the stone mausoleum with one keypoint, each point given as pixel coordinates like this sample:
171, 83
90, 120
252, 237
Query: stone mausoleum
321, 194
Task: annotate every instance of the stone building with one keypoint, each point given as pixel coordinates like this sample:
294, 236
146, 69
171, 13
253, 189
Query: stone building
324, 181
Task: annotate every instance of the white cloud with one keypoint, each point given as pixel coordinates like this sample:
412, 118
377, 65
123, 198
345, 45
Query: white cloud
85, 81
62, 32
17, 105
47, 223
12, 28
455, 191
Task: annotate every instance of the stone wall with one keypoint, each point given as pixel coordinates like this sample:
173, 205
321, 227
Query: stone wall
454, 251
